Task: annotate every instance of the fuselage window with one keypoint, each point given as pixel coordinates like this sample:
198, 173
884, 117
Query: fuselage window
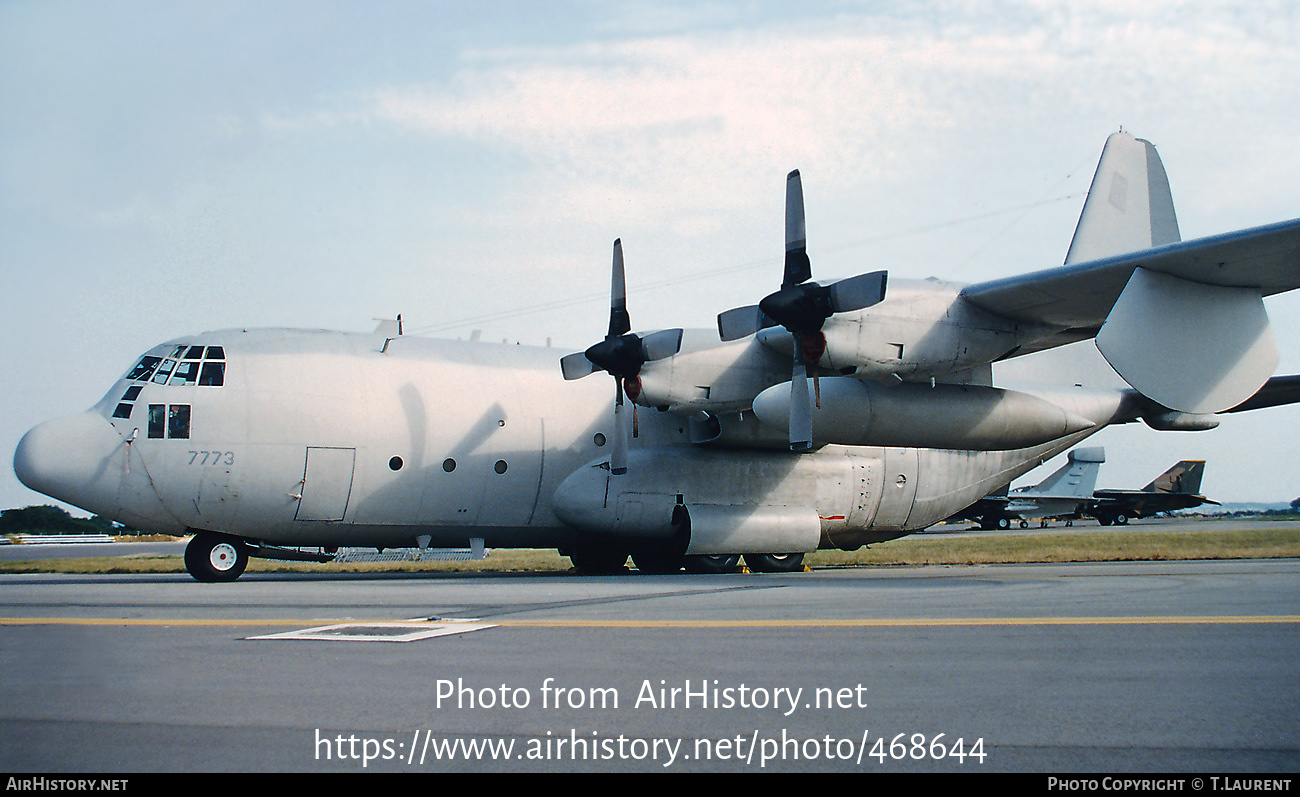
123, 410
132, 393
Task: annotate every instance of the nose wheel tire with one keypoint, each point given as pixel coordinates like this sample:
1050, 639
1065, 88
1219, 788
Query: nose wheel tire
215, 557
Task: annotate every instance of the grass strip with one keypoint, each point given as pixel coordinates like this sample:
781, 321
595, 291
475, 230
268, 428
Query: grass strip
1092, 544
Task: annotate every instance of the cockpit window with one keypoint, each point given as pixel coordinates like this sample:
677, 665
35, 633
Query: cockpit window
186, 365
178, 421
213, 374
164, 371
144, 368
157, 420
187, 373
174, 419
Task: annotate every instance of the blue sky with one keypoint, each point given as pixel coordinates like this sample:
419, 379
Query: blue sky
173, 167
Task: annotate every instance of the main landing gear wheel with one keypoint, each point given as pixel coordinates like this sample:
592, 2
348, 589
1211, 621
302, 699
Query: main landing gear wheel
215, 557
596, 562
774, 562
712, 564
658, 562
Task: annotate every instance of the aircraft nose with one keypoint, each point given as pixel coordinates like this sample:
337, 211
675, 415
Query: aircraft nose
68, 458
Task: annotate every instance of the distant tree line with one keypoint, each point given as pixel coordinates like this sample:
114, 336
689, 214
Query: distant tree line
52, 520
1294, 509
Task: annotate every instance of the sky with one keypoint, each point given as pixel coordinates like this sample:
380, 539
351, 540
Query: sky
168, 168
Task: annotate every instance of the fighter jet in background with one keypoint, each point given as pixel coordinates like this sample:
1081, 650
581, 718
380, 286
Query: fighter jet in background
1064, 494
1177, 488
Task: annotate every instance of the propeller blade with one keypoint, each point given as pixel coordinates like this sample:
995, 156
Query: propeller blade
661, 345
797, 267
800, 405
618, 454
576, 366
738, 322
856, 293
620, 323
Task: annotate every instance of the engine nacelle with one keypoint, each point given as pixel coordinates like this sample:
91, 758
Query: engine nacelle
958, 417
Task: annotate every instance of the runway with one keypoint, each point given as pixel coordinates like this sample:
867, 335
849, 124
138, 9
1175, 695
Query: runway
1154, 667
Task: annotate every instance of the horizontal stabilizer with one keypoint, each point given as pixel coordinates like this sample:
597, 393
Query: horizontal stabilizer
1191, 347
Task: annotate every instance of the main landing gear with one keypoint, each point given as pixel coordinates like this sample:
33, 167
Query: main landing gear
600, 562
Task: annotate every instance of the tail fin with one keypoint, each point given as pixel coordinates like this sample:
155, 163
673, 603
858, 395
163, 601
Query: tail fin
1129, 206
1077, 478
1185, 478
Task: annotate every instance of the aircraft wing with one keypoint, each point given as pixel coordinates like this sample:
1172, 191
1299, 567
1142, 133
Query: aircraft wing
1078, 298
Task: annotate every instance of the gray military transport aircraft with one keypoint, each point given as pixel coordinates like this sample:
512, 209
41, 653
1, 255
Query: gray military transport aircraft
827, 416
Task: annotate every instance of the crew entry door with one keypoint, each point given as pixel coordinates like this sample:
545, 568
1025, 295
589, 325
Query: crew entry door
326, 483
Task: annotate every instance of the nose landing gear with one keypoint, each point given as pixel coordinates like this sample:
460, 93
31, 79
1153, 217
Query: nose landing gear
212, 557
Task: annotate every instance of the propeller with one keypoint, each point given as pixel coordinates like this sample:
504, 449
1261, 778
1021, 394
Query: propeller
621, 354
802, 307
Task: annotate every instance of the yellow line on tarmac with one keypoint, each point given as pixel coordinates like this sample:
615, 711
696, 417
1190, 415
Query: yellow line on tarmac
791, 623
901, 622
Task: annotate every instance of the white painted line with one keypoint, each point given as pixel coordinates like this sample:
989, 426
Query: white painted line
381, 632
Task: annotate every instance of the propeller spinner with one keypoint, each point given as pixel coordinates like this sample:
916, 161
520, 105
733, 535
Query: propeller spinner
622, 355
802, 307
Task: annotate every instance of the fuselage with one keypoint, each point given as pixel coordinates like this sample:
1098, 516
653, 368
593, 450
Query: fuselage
313, 438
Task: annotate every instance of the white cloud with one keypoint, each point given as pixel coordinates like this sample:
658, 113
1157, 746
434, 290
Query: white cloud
688, 129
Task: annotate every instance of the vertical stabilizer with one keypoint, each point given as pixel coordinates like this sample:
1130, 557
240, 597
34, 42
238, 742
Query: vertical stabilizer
1129, 205
1185, 477
1077, 478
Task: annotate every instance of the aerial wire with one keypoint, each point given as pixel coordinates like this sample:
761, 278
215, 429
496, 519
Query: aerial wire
575, 300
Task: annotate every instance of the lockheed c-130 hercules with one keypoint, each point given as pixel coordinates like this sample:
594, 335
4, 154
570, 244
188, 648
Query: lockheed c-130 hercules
826, 416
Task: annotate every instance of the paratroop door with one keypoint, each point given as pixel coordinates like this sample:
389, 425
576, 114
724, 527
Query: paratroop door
327, 483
